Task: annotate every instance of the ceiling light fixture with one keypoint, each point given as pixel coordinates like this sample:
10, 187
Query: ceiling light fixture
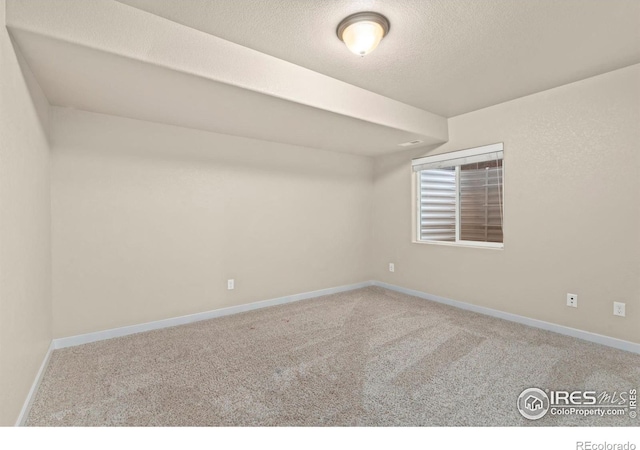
363, 31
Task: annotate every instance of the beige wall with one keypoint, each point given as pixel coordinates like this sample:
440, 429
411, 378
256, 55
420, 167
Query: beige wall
25, 257
149, 220
572, 210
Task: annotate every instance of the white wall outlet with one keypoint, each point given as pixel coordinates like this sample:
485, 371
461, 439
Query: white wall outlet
231, 284
618, 309
572, 300
392, 267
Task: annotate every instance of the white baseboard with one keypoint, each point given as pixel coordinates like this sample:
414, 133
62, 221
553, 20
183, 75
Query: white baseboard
567, 331
24, 413
124, 331
174, 321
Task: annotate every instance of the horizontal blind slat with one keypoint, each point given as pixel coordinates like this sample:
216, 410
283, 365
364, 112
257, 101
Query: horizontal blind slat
480, 198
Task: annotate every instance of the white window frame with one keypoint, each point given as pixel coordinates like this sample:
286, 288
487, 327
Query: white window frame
452, 156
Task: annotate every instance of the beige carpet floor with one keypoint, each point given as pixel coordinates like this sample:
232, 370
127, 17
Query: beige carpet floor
365, 357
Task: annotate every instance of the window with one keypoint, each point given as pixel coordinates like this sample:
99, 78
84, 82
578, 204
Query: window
460, 198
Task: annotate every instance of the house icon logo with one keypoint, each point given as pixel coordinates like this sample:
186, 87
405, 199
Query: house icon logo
533, 403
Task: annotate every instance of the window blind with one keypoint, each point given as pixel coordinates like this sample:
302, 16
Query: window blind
481, 202
460, 195
438, 204
459, 158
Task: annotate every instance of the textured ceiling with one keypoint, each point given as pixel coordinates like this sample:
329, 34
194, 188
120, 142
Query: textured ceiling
275, 70
106, 57
83, 78
444, 56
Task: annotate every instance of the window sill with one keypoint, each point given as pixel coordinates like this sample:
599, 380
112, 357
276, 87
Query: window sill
483, 245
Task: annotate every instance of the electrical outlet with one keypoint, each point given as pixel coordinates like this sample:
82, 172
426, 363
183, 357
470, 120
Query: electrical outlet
392, 267
231, 284
618, 309
572, 300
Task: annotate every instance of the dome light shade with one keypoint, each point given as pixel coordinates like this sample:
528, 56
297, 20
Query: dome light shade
362, 32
